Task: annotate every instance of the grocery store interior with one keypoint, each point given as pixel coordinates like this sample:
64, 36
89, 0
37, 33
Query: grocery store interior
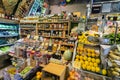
59, 39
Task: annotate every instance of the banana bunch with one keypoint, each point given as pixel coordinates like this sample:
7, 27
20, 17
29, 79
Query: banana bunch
114, 58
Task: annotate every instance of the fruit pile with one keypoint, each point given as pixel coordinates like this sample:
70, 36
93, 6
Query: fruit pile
83, 38
12, 71
88, 58
25, 71
114, 58
73, 75
38, 75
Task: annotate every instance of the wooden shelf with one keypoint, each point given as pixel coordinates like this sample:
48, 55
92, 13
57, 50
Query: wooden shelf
77, 22
66, 44
27, 28
28, 22
3, 20
14, 56
64, 50
53, 29
53, 22
54, 37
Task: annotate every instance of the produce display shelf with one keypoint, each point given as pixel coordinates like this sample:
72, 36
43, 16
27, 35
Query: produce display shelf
27, 28
53, 37
8, 36
53, 29
1, 73
65, 49
77, 22
94, 45
14, 56
67, 44
3, 20
53, 22
28, 22
3, 54
7, 29
99, 75
6, 45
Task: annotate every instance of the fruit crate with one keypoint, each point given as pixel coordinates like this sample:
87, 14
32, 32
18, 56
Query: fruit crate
94, 76
55, 70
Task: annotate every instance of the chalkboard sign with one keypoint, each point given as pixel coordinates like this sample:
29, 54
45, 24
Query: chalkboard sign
96, 9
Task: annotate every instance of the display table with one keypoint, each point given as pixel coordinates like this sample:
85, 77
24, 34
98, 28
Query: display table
55, 69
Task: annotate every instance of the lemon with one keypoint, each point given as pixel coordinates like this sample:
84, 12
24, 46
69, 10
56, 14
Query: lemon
80, 53
77, 56
95, 64
86, 62
85, 50
91, 64
89, 54
97, 61
80, 57
79, 37
89, 59
93, 60
85, 58
78, 49
93, 54
104, 72
93, 69
88, 67
76, 59
92, 50
88, 50
97, 69
79, 40
84, 66
81, 62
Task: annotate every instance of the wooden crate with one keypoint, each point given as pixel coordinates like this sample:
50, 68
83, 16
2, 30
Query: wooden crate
55, 69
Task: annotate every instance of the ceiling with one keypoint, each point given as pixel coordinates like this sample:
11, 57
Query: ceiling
56, 2
20, 4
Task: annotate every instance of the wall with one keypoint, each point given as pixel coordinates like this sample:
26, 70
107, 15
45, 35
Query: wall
69, 8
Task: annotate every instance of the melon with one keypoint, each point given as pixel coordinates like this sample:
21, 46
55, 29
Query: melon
67, 55
68, 0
